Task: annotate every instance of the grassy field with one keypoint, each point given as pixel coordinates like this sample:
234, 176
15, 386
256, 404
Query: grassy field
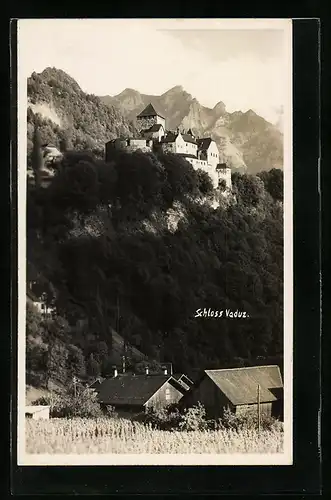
110, 435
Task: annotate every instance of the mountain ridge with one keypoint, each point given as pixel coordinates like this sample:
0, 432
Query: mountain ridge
246, 141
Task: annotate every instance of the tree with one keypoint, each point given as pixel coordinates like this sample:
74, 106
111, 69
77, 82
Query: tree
37, 156
273, 182
93, 367
75, 362
205, 184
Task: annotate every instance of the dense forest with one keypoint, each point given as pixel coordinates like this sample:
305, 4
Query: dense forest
103, 237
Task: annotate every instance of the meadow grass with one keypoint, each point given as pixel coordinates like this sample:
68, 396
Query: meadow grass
114, 435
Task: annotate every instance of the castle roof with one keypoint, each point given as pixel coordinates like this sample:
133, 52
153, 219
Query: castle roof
221, 166
154, 128
149, 111
172, 136
185, 155
189, 138
203, 144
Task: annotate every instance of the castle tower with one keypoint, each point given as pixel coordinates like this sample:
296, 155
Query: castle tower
149, 117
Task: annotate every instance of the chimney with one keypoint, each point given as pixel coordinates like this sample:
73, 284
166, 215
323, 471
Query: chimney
115, 371
146, 370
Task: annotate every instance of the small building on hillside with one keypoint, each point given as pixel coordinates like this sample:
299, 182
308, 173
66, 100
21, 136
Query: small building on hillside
128, 392
51, 153
237, 389
37, 412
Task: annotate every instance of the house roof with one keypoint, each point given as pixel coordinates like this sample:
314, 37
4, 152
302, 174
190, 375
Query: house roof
222, 165
185, 155
183, 380
97, 383
154, 128
150, 111
186, 379
189, 138
203, 144
240, 384
32, 296
131, 389
170, 137
35, 409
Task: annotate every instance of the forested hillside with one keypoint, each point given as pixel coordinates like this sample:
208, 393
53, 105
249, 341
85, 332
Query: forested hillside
100, 234
67, 113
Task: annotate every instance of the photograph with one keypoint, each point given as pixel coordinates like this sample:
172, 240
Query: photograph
155, 240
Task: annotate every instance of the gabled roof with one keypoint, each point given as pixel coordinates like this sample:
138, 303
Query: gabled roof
131, 389
189, 138
203, 144
170, 137
35, 409
240, 384
221, 166
150, 111
154, 128
96, 384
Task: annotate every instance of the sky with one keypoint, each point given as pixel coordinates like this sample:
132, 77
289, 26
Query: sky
243, 63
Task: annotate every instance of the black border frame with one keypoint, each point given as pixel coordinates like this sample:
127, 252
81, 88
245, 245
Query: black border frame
304, 476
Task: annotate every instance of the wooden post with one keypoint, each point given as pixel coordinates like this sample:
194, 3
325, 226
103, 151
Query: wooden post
258, 409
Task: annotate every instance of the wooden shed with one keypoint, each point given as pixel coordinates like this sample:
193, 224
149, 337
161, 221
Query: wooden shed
37, 412
130, 392
237, 389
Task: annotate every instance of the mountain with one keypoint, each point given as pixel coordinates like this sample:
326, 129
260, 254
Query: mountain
66, 112
246, 141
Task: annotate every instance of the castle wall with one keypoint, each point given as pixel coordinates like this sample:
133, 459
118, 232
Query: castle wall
224, 174
138, 144
203, 165
191, 149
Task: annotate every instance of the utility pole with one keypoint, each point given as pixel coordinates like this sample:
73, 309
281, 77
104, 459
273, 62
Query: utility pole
258, 409
75, 386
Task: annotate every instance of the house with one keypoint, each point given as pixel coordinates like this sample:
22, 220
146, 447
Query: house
208, 151
135, 393
51, 153
237, 389
37, 412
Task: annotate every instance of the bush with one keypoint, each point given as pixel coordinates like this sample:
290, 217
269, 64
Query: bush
248, 420
170, 418
194, 419
84, 404
166, 418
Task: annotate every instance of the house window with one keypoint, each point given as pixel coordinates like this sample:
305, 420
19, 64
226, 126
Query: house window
167, 394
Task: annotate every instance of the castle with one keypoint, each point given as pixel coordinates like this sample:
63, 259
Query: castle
202, 153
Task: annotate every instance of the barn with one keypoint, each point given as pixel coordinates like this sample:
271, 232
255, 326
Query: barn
237, 389
37, 412
129, 392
